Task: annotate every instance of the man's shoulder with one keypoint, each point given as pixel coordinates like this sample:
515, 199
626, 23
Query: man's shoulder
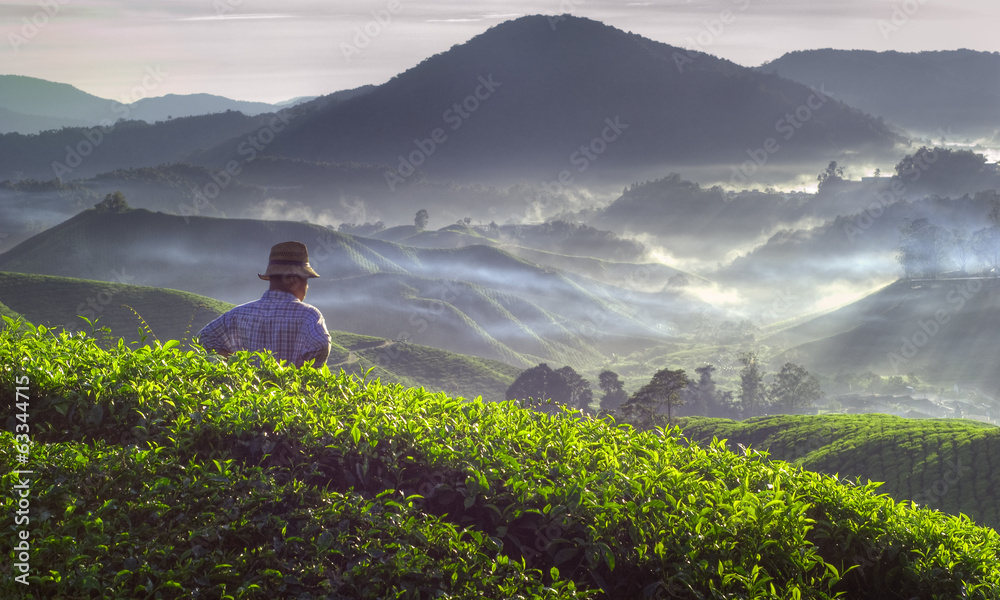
273, 300
310, 308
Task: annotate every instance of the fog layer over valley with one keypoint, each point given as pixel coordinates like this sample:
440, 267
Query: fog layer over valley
578, 195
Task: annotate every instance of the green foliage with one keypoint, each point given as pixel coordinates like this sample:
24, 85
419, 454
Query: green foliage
580, 394
614, 390
794, 389
5, 311
167, 473
539, 384
946, 464
662, 391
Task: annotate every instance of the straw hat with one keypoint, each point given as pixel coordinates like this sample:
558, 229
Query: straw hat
289, 258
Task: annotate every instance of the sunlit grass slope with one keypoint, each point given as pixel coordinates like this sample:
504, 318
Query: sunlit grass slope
415, 365
5, 311
161, 473
57, 301
952, 465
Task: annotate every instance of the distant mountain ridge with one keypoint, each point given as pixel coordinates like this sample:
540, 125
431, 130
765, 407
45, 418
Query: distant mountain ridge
954, 91
105, 136
77, 153
30, 105
525, 97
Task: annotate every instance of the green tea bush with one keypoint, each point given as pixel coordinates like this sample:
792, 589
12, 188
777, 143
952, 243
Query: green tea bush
947, 464
169, 473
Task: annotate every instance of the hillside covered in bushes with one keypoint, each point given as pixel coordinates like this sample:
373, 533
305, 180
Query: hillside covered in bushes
160, 472
952, 465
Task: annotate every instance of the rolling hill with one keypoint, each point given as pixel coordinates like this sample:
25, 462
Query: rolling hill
943, 330
57, 302
949, 92
473, 300
524, 98
946, 464
174, 315
414, 365
5, 311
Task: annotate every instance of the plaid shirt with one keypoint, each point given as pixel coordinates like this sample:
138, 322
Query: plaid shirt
291, 329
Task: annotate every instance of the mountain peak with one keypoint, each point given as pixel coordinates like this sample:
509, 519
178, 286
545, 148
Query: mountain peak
556, 82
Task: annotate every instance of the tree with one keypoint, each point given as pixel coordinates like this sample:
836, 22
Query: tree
751, 384
113, 203
986, 247
662, 391
580, 394
943, 171
962, 247
794, 388
921, 249
985, 242
614, 390
362, 230
420, 220
540, 383
832, 174
703, 398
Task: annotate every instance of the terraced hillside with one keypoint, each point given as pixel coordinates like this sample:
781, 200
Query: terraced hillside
473, 300
941, 329
952, 465
60, 301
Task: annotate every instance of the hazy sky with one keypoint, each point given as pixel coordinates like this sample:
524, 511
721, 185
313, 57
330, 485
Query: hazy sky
274, 50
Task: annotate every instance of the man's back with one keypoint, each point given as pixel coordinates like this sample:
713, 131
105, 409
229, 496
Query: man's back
280, 321
291, 329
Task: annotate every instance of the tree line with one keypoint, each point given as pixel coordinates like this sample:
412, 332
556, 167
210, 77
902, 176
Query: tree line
670, 393
927, 250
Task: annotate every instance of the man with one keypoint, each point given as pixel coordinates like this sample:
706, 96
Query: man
280, 321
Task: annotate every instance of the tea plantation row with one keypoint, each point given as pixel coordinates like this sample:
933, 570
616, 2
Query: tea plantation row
948, 464
167, 474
